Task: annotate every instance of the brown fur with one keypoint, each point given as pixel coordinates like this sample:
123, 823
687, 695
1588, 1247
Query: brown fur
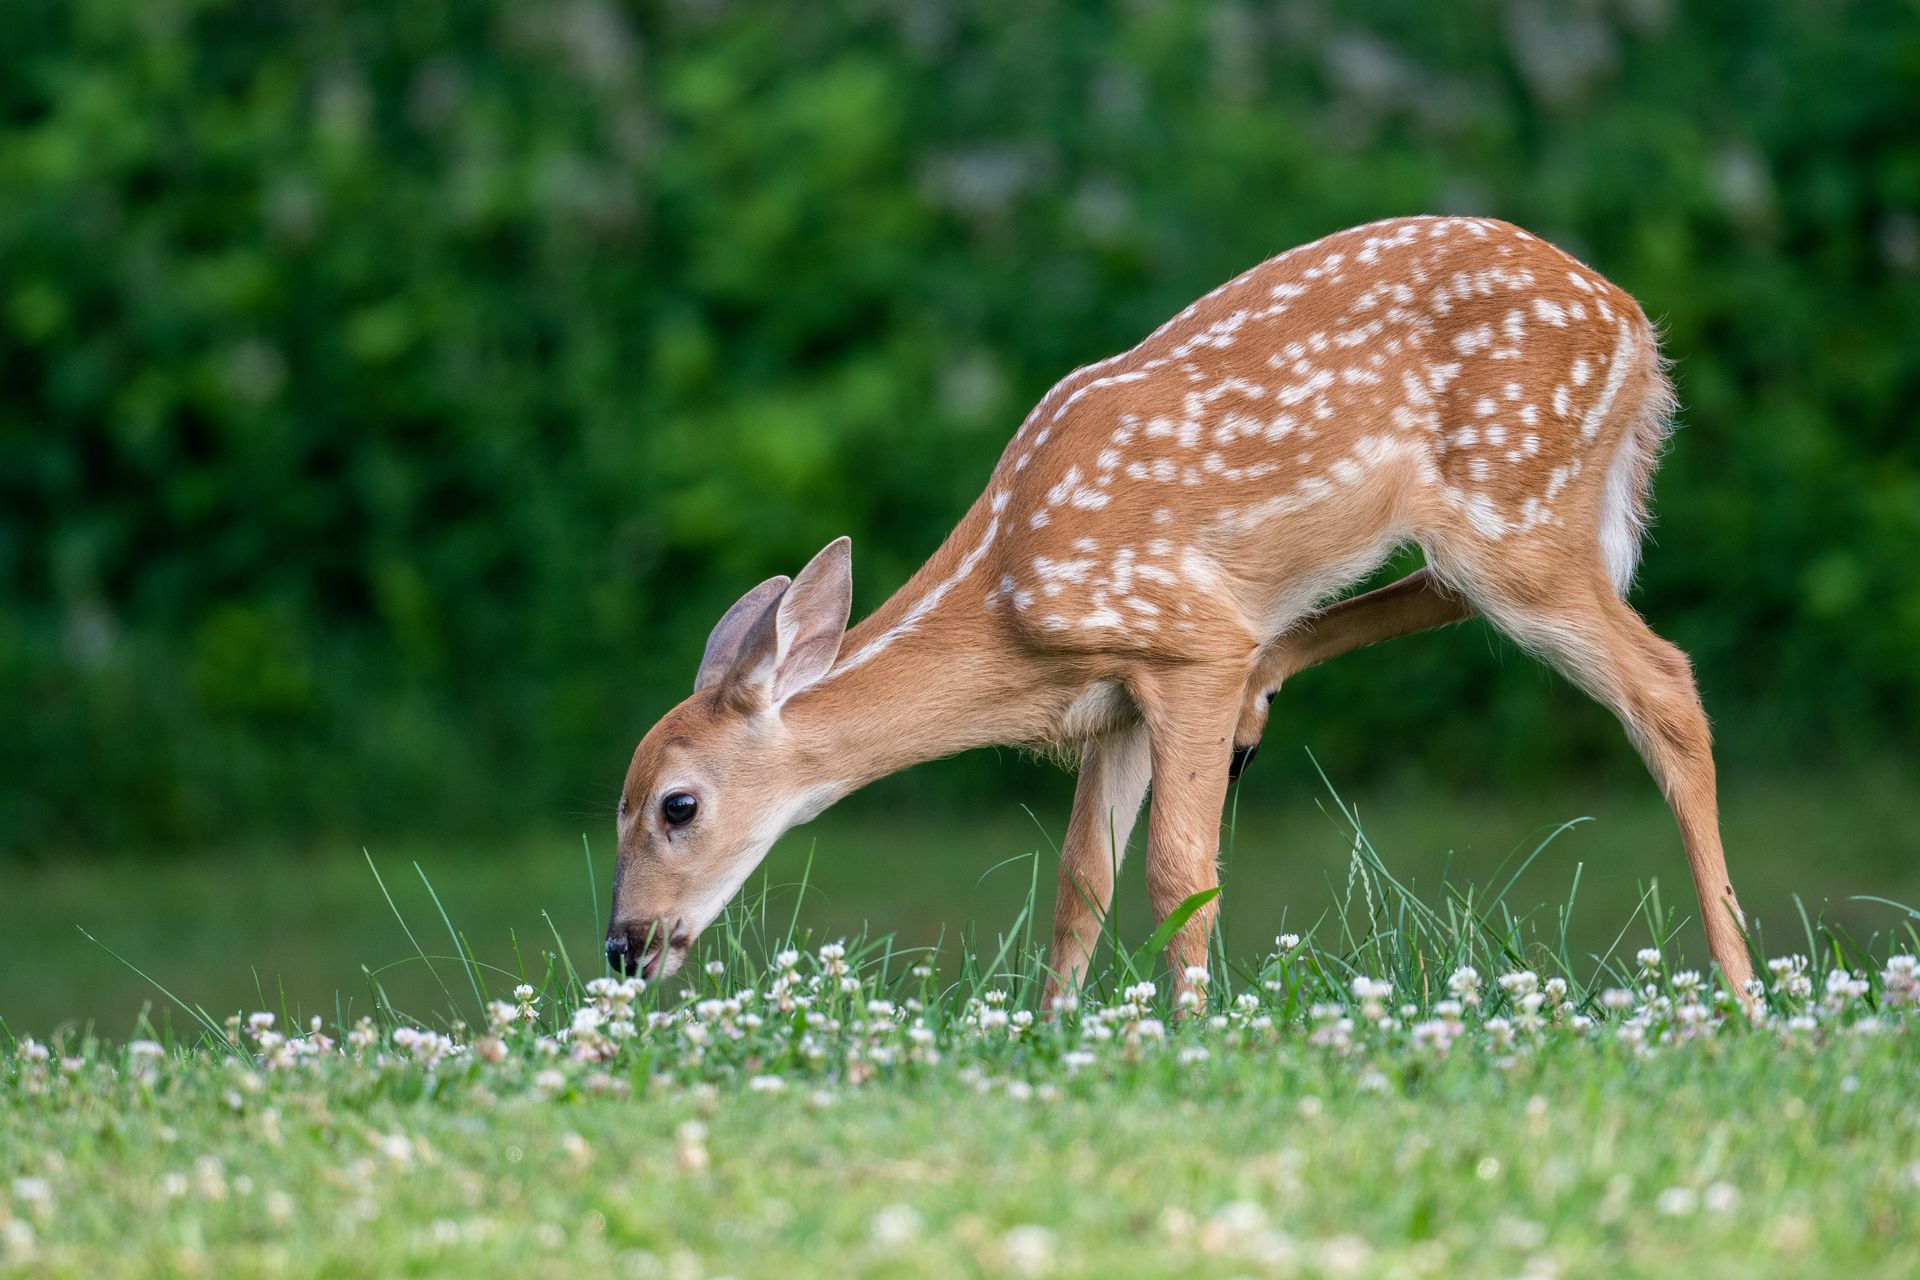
1145, 565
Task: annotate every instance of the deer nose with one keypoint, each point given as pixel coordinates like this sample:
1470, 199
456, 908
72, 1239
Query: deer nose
620, 956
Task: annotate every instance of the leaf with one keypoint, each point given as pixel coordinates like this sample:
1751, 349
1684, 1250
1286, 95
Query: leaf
1175, 920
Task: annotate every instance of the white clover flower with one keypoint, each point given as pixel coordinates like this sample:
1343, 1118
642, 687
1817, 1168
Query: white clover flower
1287, 941
36, 1193
1900, 981
1078, 1059
1140, 993
1720, 1197
1616, 999
1649, 958
922, 971
1521, 982
1023, 1018
767, 1084
1189, 999
716, 968
895, 1226
1676, 1202
1843, 988
1371, 988
786, 959
524, 994
993, 1019
1029, 1250
1196, 976
1065, 1002
1193, 1055
1148, 1029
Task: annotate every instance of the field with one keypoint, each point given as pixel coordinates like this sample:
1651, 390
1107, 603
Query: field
1349, 1104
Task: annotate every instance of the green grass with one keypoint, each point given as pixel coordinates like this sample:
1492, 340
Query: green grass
1307, 1124
225, 927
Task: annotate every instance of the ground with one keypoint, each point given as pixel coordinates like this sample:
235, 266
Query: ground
1437, 1082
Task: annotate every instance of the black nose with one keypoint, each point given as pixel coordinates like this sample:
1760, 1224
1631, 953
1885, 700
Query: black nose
1242, 757
620, 957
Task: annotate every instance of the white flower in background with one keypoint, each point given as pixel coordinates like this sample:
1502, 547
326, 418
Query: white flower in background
1676, 1202
1372, 993
1196, 976
1843, 989
1649, 958
1900, 982
833, 959
1287, 941
767, 1084
1029, 1250
1522, 982
895, 1226
1790, 977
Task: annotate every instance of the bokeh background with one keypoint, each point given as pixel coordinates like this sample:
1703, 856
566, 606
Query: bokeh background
391, 396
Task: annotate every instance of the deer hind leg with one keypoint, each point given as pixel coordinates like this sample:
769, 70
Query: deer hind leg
1417, 602
1190, 714
1114, 773
1602, 645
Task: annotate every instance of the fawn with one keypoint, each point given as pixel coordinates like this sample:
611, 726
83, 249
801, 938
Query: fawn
1143, 570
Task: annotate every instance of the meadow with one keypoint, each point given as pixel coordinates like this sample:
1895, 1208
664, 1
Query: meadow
1493, 1063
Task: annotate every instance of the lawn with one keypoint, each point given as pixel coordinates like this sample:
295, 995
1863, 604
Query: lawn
232, 929
1428, 1082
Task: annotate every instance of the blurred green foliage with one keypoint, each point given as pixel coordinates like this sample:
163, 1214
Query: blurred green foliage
392, 395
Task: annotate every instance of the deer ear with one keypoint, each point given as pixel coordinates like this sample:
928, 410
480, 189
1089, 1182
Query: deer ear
794, 642
731, 632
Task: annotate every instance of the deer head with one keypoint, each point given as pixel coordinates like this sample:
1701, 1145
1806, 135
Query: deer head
722, 776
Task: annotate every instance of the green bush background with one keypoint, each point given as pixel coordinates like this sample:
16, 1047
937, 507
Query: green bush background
392, 394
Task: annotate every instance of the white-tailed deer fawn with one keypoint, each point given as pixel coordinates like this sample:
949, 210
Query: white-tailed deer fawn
1144, 567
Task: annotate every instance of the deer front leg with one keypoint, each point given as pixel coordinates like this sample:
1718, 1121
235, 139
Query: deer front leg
1416, 602
1190, 714
1114, 772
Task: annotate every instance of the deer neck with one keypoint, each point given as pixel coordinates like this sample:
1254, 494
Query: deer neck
930, 673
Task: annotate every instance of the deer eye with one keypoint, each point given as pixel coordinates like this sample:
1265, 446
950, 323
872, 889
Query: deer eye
678, 809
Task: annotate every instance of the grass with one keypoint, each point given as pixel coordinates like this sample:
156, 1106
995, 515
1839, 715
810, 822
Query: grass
240, 929
1351, 1103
